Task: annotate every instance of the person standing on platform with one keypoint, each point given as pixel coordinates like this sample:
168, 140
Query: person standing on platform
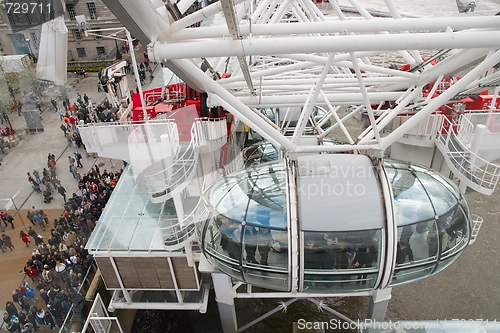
24, 237
7, 242
62, 191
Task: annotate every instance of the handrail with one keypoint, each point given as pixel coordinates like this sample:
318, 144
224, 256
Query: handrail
427, 127
464, 161
168, 178
210, 129
477, 222
465, 131
179, 232
97, 135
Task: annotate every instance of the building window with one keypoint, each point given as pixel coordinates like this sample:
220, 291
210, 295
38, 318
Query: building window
98, 34
77, 34
92, 10
34, 38
81, 52
100, 50
28, 19
70, 8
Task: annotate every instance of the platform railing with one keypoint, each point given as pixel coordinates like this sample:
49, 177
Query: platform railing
164, 184
95, 136
428, 127
469, 121
210, 129
477, 222
176, 233
475, 171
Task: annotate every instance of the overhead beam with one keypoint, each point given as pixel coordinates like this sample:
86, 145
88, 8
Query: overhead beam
344, 27
326, 44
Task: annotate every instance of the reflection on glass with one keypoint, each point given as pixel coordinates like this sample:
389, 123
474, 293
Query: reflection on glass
257, 255
341, 260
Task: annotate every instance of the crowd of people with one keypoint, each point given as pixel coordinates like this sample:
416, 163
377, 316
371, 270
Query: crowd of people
58, 265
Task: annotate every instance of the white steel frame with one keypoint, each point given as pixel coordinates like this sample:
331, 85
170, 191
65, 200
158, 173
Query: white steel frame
288, 53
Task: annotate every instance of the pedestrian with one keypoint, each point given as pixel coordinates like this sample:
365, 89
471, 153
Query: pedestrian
38, 105
62, 191
39, 220
60, 112
54, 103
13, 324
7, 242
86, 99
69, 138
37, 176
31, 217
74, 171
19, 108
99, 89
9, 219
78, 158
24, 238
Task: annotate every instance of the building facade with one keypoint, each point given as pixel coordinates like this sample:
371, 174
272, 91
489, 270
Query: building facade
18, 35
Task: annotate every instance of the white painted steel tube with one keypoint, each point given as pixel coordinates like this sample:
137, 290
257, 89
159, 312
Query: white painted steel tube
322, 44
331, 27
441, 99
240, 109
335, 99
198, 16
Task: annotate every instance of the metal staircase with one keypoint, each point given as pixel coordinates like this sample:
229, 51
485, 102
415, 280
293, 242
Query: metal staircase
175, 177
477, 173
176, 233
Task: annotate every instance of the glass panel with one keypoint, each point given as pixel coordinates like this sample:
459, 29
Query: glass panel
405, 273
339, 257
453, 229
342, 282
267, 278
415, 252
411, 202
441, 197
454, 232
446, 262
256, 196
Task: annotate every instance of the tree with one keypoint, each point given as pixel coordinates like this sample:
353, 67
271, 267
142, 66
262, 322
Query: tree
30, 80
6, 97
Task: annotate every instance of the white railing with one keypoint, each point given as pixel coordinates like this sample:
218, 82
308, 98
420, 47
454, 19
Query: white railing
465, 131
176, 233
428, 127
164, 184
476, 226
99, 135
475, 171
469, 121
167, 95
210, 129
169, 181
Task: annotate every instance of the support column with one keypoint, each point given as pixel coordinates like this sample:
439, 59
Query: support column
225, 302
378, 304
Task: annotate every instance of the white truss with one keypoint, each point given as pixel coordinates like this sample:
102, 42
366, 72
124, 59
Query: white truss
289, 53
